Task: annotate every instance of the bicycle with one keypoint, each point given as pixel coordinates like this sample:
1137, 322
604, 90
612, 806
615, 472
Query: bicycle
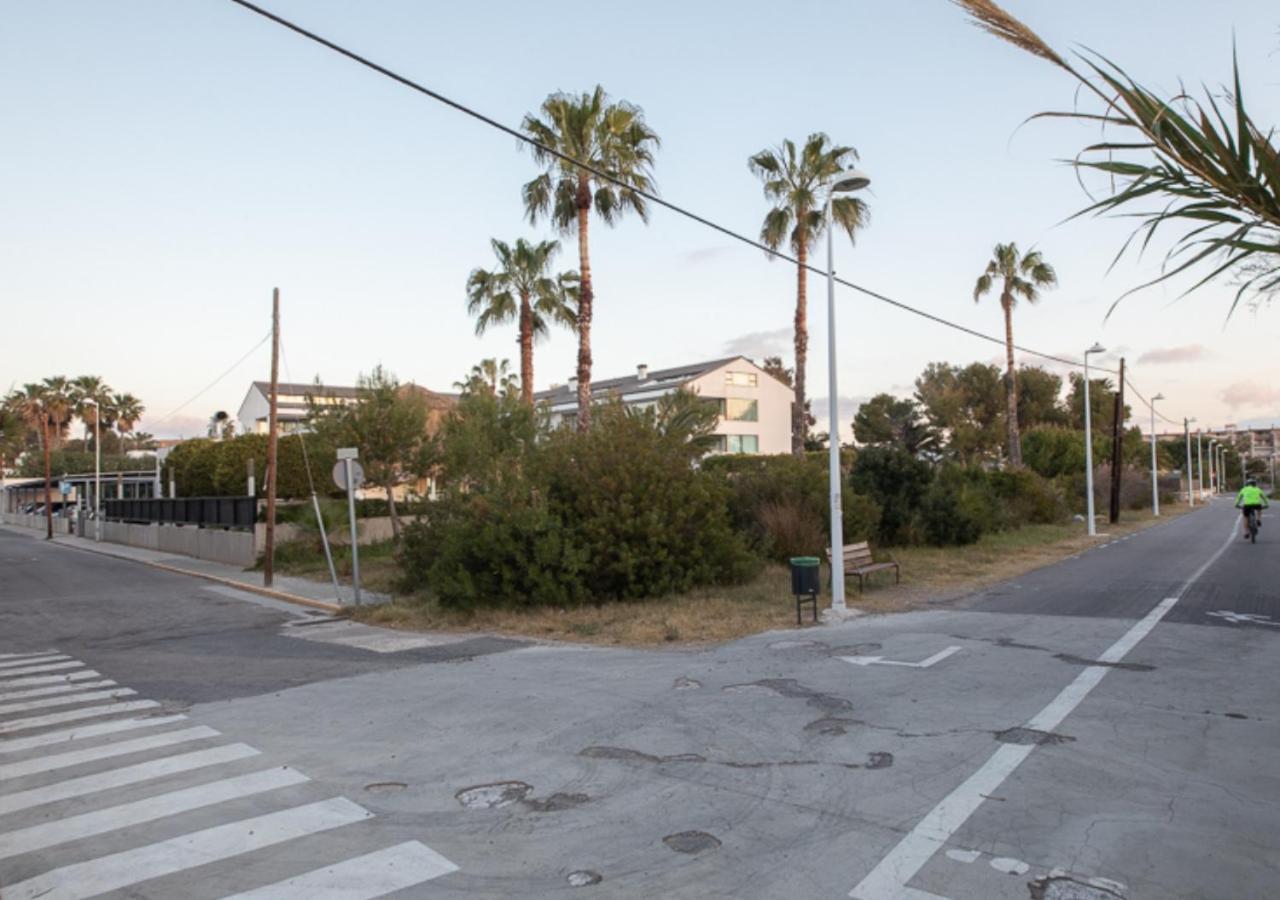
1252, 515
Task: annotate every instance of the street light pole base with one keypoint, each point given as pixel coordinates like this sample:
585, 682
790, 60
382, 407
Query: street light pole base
840, 614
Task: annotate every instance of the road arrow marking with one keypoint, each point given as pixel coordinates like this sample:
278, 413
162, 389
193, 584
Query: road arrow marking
1236, 618
881, 661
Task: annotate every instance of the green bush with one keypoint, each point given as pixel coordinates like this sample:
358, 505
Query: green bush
208, 468
897, 482
959, 507
1028, 498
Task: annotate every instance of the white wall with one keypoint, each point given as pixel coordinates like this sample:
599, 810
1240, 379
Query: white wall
773, 425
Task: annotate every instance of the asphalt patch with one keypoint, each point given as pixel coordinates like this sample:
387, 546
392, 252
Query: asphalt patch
790, 688
629, 755
1030, 736
493, 796
831, 725
684, 683
386, 787
691, 841
1064, 888
1081, 661
557, 802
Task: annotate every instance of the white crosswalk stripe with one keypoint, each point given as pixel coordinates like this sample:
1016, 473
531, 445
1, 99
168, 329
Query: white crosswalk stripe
55, 689
75, 796
66, 700
82, 732
26, 655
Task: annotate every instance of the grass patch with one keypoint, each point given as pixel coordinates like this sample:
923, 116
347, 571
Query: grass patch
930, 575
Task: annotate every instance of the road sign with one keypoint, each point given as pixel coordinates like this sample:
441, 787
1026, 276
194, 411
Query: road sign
65, 487
348, 453
340, 473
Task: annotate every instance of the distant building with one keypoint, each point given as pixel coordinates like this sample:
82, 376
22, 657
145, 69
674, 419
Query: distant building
1251, 443
291, 405
755, 407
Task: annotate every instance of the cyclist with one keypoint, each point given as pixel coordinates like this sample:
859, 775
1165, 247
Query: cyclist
1250, 500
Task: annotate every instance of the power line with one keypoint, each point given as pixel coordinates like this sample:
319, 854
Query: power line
204, 390
651, 197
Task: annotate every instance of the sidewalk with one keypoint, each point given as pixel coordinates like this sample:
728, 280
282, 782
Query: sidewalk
315, 594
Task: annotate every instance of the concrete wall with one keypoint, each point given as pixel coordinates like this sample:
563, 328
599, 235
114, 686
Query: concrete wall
231, 547
37, 523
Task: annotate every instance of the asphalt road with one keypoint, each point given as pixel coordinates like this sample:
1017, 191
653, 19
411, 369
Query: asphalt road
1105, 727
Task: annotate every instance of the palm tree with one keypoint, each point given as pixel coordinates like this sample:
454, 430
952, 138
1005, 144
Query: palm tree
59, 403
612, 138
32, 405
128, 410
489, 376
794, 182
520, 288
1021, 276
90, 395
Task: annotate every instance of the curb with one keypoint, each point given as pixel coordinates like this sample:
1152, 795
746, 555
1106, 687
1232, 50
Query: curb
217, 579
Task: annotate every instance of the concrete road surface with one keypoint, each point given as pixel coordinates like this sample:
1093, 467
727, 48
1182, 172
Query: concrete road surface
1105, 727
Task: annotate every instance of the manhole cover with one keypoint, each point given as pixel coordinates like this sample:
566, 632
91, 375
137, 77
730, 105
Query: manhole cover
584, 878
493, 796
691, 841
385, 787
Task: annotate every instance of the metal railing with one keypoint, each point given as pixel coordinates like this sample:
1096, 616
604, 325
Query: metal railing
237, 513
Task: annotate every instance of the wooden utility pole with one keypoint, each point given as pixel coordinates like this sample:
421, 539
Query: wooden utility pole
268, 562
1117, 447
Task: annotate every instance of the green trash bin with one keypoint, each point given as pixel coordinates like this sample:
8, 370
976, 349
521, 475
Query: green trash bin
805, 583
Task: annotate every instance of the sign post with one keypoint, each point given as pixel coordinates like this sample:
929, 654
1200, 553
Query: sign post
349, 474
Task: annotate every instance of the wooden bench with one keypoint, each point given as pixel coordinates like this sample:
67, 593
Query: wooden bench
858, 561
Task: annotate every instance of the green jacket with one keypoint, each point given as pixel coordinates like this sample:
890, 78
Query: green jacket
1251, 496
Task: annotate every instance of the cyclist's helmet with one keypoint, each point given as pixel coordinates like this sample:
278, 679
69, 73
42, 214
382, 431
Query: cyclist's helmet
1252, 482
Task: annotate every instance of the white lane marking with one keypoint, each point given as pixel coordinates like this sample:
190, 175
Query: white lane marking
29, 653
32, 660
888, 880
56, 689
75, 715
107, 751
881, 661
362, 878
964, 856
113, 818
67, 700
1009, 866
1236, 618
114, 778
51, 679
108, 873
32, 670
80, 732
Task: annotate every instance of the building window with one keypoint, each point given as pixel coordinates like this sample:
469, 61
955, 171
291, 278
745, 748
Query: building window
742, 379
742, 443
738, 409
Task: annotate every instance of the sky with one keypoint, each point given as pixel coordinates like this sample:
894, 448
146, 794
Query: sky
165, 165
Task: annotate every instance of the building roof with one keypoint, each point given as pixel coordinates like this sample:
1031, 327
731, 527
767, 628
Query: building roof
302, 389
659, 378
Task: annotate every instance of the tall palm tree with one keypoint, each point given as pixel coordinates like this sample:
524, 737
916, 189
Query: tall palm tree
491, 377
521, 288
128, 410
612, 138
1020, 276
794, 182
59, 403
90, 396
32, 404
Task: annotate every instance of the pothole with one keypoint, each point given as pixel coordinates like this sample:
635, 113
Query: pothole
557, 802
789, 687
1064, 888
691, 841
684, 683
584, 878
386, 787
879, 760
831, 725
1031, 737
493, 796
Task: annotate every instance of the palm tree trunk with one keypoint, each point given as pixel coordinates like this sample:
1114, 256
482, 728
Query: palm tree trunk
1011, 382
799, 425
48, 485
526, 349
584, 307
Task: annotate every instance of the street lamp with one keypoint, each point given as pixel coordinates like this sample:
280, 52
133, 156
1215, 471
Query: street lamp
1088, 439
1186, 430
844, 182
1155, 481
1214, 481
97, 469
1200, 460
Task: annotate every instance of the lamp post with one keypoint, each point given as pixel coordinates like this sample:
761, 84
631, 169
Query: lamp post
1155, 480
1088, 440
1214, 487
1186, 430
97, 469
843, 183
1200, 460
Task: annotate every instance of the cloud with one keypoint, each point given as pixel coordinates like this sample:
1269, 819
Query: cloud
1250, 394
177, 426
703, 255
1163, 355
759, 344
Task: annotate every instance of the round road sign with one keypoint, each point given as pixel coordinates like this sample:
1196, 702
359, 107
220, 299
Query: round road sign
340, 473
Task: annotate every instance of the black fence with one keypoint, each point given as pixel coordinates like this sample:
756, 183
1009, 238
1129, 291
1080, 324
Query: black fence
238, 513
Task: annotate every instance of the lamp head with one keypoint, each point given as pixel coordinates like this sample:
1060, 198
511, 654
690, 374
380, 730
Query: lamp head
848, 181
1096, 348
1157, 397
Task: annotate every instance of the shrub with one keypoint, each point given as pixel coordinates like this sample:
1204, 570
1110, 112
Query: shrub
793, 529
959, 507
1027, 498
895, 480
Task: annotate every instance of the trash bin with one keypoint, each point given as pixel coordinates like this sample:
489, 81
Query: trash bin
804, 575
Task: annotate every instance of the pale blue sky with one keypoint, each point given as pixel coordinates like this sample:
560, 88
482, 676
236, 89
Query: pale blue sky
165, 164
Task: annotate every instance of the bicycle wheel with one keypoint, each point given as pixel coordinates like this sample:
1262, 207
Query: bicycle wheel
1253, 528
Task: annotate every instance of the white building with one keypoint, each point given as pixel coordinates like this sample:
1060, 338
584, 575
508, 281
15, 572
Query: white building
755, 407
291, 406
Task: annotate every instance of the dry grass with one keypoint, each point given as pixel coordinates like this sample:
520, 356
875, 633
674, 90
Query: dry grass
712, 615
